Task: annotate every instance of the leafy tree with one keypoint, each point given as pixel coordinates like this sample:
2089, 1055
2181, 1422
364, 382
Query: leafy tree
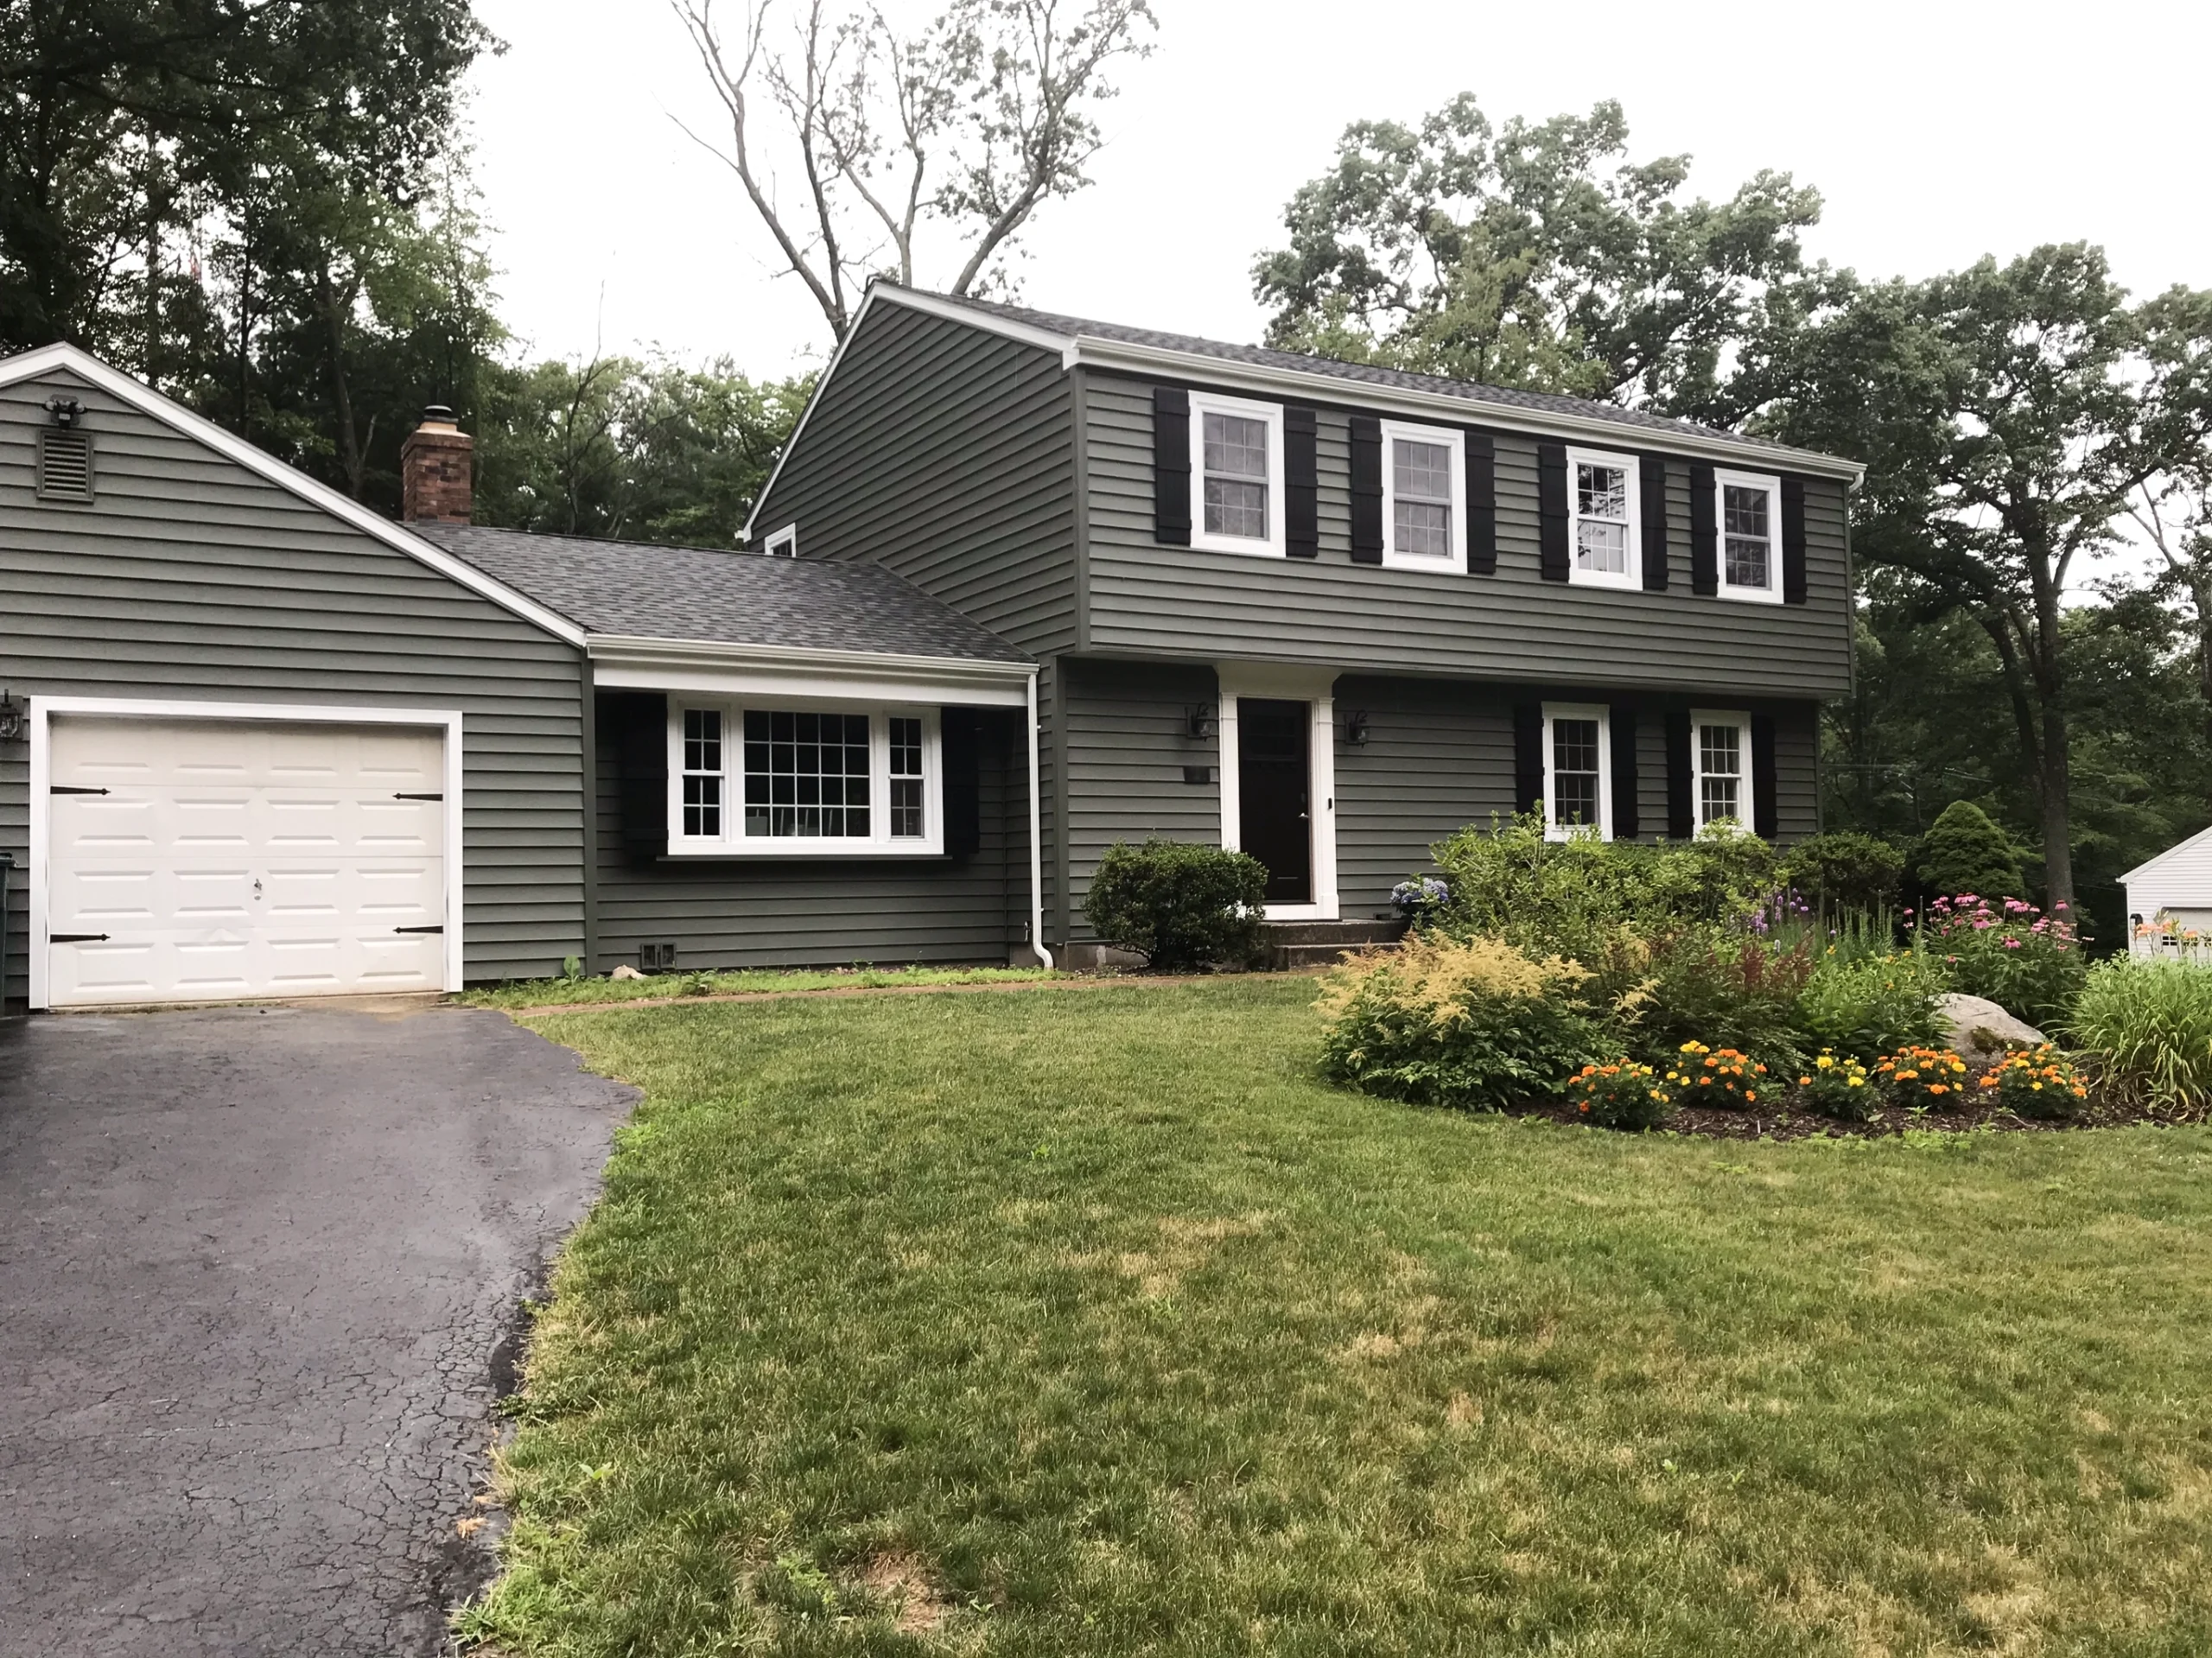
1539, 257
646, 451
963, 129
1965, 851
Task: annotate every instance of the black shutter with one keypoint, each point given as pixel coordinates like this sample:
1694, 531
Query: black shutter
1301, 485
1482, 504
635, 724
1766, 820
1551, 509
1793, 541
1705, 532
1366, 489
963, 782
1681, 811
1528, 755
1171, 466
1622, 732
1652, 473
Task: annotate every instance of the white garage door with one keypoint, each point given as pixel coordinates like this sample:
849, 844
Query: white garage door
211, 860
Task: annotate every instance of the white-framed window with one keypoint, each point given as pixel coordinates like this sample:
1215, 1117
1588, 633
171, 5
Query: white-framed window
1747, 514
1424, 518
1721, 767
782, 543
1236, 494
1604, 519
784, 777
1577, 771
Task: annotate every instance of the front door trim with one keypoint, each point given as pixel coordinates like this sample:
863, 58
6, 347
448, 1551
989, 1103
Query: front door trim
43, 708
1288, 682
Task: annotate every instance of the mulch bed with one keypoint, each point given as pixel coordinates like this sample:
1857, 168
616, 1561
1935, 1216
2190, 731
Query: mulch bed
1752, 1123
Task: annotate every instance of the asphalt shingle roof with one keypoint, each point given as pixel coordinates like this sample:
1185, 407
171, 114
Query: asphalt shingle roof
1359, 373
643, 591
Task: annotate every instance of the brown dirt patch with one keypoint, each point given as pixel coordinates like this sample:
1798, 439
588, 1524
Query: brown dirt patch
905, 1585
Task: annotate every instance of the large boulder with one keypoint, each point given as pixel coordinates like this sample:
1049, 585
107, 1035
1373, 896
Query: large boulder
1977, 1028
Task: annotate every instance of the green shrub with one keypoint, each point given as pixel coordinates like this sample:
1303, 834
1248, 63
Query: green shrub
1965, 851
1844, 872
2038, 1082
1706, 983
2027, 962
1623, 1095
1180, 907
2150, 1024
1923, 1077
1837, 1085
1871, 1006
1725, 1076
1441, 1021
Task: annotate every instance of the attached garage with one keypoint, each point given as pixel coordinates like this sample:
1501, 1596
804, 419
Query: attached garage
212, 852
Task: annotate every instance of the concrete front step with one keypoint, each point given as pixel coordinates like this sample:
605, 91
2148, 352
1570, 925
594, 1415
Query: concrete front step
1323, 944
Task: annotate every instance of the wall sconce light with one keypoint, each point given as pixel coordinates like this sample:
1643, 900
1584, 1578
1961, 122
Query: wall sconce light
1356, 728
1197, 722
66, 411
14, 719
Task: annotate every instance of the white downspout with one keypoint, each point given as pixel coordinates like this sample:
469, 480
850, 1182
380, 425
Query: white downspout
1036, 840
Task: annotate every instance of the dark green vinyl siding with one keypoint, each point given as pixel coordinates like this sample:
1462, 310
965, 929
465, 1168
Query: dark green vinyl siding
825, 911
190, 579
1512, 625
947, 455
1437, 757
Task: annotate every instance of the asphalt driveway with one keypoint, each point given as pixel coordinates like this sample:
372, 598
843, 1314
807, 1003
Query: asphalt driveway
258, 1278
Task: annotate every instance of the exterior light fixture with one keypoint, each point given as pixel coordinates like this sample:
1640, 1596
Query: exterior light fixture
1197, 722
14, 719
66, 411
1356, 729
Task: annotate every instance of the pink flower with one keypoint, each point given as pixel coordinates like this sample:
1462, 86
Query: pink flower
2011, 944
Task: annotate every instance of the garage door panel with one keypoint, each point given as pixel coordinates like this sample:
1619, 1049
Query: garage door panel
233, 860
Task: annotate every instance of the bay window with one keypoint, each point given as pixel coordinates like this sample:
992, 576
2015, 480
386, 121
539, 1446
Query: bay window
806, 780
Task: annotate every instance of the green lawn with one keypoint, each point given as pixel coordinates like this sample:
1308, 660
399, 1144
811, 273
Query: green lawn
551, 993
1058, 1324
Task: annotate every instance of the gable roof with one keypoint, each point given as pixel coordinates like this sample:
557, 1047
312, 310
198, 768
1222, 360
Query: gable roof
2195, 842
703, 596
47, 359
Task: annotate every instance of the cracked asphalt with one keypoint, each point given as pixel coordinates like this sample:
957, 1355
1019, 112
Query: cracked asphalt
259, 1272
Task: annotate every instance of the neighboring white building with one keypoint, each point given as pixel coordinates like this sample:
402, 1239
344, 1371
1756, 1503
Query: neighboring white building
2170, 902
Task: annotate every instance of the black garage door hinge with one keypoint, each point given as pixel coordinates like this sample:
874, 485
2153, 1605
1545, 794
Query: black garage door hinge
406, 797
418, 928
71, 788
77, 937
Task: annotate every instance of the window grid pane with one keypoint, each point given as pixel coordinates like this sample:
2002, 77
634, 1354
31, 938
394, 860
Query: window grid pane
1601, 526
906, 778
702, 766
1717, 800
1236, 450
806, 775
1721, 767
1747, 538
1575, 771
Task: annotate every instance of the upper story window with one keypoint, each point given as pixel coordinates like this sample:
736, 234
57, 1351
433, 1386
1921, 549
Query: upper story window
1720, 763
1577, 761
782, 543
1606, 539
804, 779
1751, 534
1237, 482
1424, 526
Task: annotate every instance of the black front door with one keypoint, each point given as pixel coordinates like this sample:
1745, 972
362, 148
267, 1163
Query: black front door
1275, 784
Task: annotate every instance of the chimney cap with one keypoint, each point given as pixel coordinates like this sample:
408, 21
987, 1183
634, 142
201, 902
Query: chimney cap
440, 416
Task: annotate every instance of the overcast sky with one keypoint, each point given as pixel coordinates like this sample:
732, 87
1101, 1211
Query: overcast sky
1936, 132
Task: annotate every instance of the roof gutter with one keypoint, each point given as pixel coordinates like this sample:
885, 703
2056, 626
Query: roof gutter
645, 651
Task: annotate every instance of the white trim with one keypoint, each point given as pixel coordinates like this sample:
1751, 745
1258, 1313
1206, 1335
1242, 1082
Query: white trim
1275, 543
709, 668
1746, 797
42, 708
1772, 484
1288, 682
878, 842
119, 385
1036, 840
1632, 576
1553, 829
1453, 560
781, 543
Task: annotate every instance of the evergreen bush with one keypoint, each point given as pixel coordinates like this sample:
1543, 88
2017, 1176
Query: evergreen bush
1845, 871
1965, 852
1180, 907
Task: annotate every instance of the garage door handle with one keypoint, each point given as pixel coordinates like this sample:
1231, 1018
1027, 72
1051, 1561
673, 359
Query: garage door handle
418, 928
403, 797
76, 938
71, 788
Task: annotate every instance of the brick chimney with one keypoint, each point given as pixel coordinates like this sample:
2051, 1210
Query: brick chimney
436, 485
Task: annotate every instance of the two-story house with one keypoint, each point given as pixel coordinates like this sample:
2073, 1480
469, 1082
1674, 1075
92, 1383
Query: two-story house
1329, 613
1021, 587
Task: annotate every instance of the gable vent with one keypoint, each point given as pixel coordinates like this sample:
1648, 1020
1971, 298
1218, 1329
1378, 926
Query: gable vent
64, 465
